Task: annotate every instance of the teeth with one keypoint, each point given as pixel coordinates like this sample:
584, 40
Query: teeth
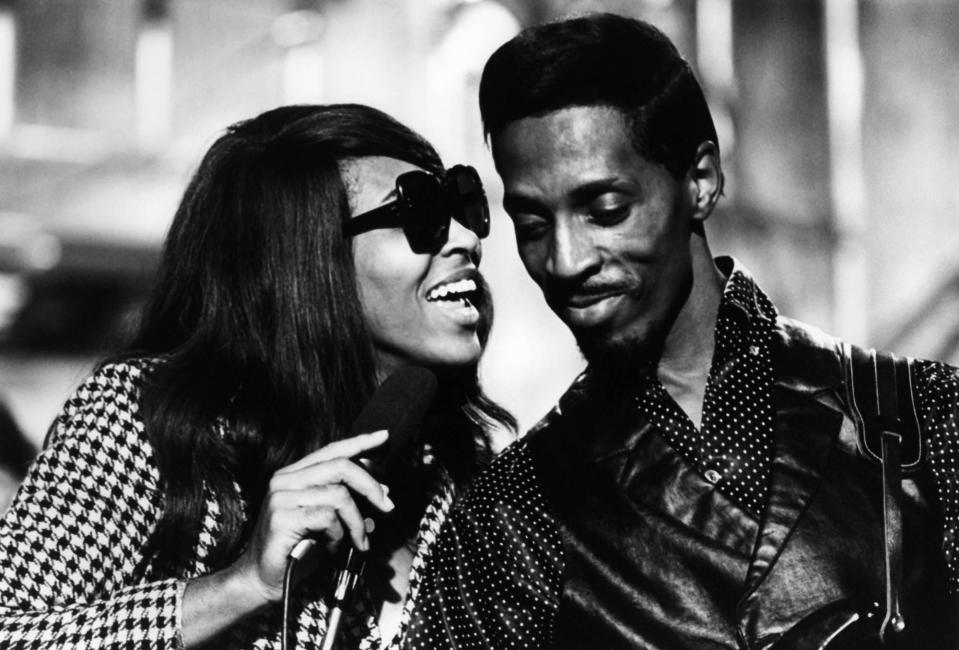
452, 288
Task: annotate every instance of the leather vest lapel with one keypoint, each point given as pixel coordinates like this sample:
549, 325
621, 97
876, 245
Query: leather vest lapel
805, 434
651, 549
806, 425
650, 472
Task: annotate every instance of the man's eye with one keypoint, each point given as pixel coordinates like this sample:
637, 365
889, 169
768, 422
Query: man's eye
528, 228
609, 215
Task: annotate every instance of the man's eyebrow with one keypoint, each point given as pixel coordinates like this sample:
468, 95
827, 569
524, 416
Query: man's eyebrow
578, 195
588, 191
518, 203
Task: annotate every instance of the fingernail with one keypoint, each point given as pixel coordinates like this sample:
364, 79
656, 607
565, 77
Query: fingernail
383, 433
389, 503
385, 488
369, 525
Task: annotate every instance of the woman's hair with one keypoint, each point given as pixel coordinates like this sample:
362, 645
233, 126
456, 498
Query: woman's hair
602, 59
16, 452
256, 319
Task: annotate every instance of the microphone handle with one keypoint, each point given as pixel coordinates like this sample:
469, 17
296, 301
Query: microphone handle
332, 625
346, 579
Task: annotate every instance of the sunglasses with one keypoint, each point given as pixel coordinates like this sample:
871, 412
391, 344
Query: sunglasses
425, 205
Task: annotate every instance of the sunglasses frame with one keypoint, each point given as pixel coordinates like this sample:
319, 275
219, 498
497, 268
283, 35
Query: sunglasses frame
424, 206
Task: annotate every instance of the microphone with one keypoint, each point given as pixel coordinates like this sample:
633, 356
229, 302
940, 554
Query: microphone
399, 405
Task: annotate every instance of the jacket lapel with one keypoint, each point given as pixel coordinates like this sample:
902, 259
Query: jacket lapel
807, 422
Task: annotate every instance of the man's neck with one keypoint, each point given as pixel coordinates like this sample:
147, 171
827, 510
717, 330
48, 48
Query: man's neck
688, 350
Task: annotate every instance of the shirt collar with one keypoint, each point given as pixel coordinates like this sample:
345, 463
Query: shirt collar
743, 304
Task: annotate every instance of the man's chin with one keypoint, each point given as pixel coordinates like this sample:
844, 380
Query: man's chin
619, 360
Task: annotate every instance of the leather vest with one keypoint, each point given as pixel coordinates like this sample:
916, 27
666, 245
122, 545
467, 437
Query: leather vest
656, 557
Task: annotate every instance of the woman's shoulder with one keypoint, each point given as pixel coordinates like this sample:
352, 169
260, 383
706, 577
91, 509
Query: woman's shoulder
107, 400
97, 452
124, 376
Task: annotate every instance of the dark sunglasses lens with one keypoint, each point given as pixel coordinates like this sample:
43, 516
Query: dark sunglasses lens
477, 218
424, 222
468, 200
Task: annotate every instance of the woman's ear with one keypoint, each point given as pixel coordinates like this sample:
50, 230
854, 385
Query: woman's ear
705, 180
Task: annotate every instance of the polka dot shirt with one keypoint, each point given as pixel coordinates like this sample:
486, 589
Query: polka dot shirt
734, 446
506, 550
938, 396
496, 578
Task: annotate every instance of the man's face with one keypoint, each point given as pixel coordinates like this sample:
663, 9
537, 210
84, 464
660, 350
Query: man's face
603, 231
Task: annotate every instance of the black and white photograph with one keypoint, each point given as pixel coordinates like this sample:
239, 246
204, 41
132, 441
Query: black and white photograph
479, 324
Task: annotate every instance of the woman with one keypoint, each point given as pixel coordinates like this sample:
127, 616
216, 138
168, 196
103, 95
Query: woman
177, 479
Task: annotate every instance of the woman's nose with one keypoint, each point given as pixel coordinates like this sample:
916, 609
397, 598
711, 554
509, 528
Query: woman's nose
463, 240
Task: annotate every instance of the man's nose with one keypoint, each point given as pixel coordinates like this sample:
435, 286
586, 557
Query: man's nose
571, 254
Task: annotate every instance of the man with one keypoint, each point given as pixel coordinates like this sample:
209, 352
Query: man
704, 484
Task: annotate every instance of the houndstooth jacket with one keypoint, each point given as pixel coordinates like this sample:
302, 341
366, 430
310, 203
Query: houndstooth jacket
72, 573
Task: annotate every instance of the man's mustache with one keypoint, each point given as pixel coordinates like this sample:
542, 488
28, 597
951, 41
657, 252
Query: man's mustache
560, 293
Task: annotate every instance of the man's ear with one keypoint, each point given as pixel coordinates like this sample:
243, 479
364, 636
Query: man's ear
705, 180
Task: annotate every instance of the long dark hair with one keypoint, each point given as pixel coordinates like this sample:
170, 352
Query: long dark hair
255, 318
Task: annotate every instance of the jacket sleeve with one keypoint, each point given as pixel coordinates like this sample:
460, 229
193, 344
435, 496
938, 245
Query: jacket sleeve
72, 540
495, 576
938, 404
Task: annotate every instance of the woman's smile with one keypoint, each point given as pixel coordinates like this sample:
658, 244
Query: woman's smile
456, 299
422, 309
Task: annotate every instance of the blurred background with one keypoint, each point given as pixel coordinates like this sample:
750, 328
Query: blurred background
838, 120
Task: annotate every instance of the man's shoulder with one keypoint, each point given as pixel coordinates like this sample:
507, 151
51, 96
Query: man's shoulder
571, 400
508, 478
805, 338
936, 380
506, 506
807, 343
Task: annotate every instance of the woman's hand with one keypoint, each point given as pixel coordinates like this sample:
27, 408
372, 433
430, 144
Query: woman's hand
312, 498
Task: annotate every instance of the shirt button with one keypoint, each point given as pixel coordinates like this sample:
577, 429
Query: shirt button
754, 350
713, 476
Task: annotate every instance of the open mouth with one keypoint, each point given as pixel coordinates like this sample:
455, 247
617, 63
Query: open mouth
460, 292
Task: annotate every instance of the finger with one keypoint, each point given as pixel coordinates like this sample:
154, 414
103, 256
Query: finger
347, 448
311, 506
332, 472
321, 523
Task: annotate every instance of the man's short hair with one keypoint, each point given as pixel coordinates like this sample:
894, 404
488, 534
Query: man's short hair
602, 60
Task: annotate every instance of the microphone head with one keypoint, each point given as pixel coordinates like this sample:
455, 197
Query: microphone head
399, 404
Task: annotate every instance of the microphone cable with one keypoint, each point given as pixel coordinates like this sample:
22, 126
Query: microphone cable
346, 579
287, 587
302, 549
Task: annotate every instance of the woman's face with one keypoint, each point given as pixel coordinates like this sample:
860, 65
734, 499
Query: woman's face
418, 306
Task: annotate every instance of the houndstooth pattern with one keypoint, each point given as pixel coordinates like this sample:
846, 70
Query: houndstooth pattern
429, 532
73, 539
